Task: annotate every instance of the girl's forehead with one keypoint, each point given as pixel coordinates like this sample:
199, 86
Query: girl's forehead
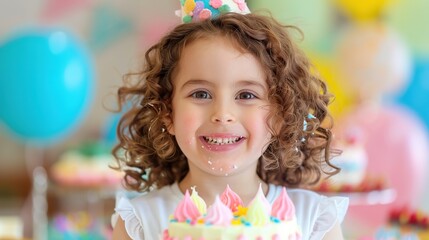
217, 58
201, 53
214, 51
217, 38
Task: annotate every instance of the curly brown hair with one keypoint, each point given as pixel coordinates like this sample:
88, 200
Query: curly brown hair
299, 150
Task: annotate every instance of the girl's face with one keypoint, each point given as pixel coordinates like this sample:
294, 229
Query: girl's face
220, 108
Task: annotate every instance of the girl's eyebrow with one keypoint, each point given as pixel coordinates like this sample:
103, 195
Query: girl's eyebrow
241, 83
196, 82
246, 83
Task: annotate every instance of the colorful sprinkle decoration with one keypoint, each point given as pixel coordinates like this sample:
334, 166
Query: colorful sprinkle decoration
205, 9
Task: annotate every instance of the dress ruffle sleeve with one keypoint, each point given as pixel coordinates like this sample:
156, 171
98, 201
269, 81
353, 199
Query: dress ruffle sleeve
133, 225
330, 211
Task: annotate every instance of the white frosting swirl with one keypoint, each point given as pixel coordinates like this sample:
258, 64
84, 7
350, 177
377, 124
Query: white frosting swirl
218, 214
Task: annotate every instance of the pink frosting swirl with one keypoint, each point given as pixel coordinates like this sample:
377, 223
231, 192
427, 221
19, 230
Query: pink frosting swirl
231, 199
283, 207
186, 210
219, 214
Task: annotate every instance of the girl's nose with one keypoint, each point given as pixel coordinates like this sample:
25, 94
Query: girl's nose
223, 114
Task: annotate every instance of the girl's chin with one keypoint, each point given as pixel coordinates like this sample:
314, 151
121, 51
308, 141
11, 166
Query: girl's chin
217, 169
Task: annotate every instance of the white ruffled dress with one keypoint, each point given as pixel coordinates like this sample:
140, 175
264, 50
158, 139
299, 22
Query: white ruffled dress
147, 215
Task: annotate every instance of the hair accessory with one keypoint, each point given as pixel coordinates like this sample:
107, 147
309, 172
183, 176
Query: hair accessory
196, 10
309, 116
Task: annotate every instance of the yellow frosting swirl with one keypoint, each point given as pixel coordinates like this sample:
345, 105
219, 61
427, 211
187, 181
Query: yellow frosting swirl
198, 201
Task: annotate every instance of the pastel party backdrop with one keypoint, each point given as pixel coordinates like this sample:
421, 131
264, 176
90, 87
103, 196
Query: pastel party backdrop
61, 62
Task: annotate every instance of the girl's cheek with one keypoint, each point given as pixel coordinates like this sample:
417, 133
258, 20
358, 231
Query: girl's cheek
190, 122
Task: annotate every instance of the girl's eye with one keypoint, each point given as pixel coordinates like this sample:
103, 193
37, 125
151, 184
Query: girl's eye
246, 95
201, 95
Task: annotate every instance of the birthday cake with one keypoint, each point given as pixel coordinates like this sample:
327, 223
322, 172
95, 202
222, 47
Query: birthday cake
227, 218
352, 161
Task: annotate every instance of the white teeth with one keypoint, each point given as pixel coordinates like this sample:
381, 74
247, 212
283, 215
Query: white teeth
222, 141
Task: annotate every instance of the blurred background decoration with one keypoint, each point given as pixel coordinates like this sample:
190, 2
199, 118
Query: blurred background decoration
46, 87
361, 11
61, 62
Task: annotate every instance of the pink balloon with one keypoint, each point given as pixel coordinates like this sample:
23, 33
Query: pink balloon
153, 32
396, 144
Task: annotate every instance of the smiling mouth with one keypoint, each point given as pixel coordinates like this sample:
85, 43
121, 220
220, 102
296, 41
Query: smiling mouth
222, 141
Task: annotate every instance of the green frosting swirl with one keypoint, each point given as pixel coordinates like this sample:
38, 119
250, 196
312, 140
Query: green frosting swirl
257, 214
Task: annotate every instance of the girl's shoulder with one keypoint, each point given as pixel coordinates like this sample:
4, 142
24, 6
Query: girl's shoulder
316, 213
144, 214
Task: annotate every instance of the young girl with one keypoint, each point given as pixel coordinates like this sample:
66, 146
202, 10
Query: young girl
229, 100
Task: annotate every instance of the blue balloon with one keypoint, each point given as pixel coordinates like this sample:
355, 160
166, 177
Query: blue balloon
46, 83
416, 96
109, 133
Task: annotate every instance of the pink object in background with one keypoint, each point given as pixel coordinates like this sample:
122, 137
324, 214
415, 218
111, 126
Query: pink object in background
397, 148
54, 9
153, 31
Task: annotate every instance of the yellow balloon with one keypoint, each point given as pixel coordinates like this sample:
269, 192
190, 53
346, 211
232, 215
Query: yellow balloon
343, 99
363, 10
